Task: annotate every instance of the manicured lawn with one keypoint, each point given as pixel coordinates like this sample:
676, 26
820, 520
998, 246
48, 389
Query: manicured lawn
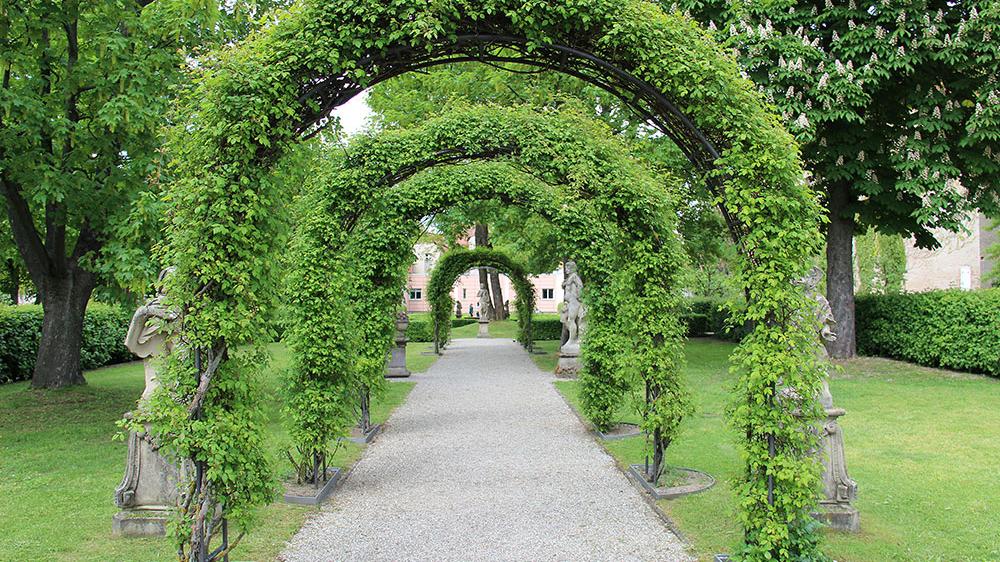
921, 443
416, 361
59, 468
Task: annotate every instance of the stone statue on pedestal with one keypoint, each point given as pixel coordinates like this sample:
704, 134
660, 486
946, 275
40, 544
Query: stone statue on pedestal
574, 321
839, 490
484, 307
148, 490
397, 355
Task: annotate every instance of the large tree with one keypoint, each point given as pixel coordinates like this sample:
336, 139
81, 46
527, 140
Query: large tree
85, 89
895, 104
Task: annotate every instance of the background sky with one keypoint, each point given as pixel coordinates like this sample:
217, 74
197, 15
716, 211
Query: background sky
354, 114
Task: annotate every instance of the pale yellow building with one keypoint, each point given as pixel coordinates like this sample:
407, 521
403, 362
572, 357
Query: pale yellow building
960, 262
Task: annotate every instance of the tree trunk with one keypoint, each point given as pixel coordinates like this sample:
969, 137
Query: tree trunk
64, 303
14, 283
840, 270
499, 313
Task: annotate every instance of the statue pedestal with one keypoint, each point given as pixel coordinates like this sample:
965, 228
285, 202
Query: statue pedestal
839, 517
569, 361
396, 367
396, 363
147, 493
839, 490
484, 329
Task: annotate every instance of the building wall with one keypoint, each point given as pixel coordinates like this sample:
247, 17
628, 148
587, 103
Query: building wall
960, 262
466, 288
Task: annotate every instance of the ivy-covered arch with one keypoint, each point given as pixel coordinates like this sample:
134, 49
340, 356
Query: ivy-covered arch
610, 213
456, 262
257, 98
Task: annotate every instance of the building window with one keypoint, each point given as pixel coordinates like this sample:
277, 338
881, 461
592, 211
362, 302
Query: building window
416, 294
463, 293
548, 294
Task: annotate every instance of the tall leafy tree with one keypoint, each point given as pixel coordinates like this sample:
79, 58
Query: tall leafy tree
896, 105
84, 90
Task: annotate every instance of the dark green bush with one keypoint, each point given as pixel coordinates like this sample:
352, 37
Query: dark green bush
708, 317
422, 330
546, 329
104, 330
951, 329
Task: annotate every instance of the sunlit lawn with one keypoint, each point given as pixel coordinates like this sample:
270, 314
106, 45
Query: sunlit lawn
921, 443
59, 468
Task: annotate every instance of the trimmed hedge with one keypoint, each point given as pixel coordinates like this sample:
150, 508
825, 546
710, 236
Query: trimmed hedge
423, 330
707, 317
704, 318
951, 329
104, 329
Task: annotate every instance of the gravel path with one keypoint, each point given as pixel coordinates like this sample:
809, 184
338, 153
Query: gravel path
485, 461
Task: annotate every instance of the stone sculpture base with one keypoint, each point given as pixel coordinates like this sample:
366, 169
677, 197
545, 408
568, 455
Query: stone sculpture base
839, 489
140, 523
396, 368
147, 492
839, 517
484, 329
569, 362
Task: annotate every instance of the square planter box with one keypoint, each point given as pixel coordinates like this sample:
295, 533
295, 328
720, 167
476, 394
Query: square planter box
366, 437
300, 497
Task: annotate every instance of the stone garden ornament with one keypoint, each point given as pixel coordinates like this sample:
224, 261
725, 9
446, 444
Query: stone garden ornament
397, 355
484, 306
839, 490
148, 490
574, 322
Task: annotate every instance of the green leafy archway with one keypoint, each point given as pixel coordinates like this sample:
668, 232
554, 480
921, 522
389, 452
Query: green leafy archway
259, 97
456, 262
608, 210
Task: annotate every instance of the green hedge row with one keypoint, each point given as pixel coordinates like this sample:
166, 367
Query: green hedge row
950, 329
707, 317
104, 330
422, 330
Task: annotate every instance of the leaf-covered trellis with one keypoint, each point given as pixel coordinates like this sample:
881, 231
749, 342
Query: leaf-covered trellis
259, 97
456, 262
607, 209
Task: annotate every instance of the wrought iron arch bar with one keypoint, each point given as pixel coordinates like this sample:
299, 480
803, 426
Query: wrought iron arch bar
320, 97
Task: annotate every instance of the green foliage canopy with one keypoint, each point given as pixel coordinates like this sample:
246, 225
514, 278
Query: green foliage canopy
260, 97
456, 262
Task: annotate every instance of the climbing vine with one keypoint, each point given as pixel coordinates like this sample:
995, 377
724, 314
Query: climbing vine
456, 262
255, 99
607, 210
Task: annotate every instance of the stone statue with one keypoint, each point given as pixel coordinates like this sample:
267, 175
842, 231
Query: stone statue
148, 490
458, 309
150, 334
839, 490
484, 303
484, 307
573, 316
573, 309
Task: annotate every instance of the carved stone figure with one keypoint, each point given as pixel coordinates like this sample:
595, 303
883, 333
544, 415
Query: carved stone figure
484, 306
150, 334
148, 490
397, 355
573, 316
839, 490
458, 309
